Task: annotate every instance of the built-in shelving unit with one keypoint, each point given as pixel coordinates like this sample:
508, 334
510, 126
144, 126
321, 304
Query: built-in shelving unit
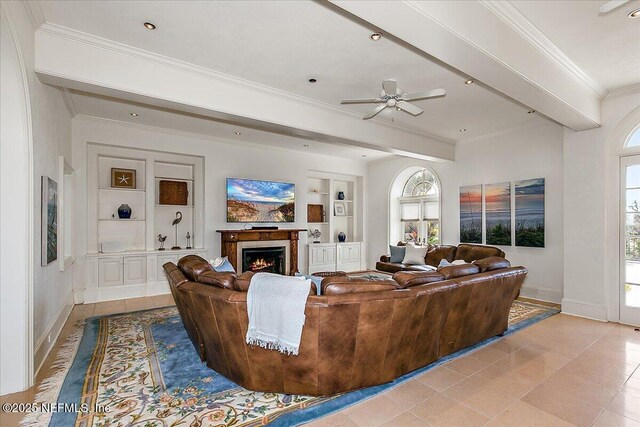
330, 254
137, 271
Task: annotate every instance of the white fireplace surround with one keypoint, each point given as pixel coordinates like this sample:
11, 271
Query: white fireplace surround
265, 244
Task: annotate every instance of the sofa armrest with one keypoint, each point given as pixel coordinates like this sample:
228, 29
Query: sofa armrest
385, 258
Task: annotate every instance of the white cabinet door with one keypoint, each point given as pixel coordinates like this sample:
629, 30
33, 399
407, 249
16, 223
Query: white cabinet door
330, 255
135, 269
110, 272
162, 260
317, 256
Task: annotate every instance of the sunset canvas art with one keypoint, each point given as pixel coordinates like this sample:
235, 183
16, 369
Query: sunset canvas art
529, 207
497, 204
471, 214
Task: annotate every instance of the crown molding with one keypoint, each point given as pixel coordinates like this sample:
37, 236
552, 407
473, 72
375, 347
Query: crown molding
520, 24
626, 90
141, 54
206, 137
35, 13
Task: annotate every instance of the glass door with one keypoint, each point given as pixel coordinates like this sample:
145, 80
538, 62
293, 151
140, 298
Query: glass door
630, 240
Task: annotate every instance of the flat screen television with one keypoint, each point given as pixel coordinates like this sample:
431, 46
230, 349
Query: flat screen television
250, 200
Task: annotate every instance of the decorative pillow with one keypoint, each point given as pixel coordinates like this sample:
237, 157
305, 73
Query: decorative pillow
415, 254
445, 263
397, 253
222, 264
316, 280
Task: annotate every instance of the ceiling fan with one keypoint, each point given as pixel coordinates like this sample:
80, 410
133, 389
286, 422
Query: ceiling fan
392, 96
609, 6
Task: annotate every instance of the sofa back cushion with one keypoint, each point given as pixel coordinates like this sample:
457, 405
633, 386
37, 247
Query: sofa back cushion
453, 271
470, 252
407, 279
492, 263
243, 282
357, 287
214, 278
437, 253
193, 265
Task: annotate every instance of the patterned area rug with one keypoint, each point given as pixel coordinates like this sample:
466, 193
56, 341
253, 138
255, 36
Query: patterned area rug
141, 369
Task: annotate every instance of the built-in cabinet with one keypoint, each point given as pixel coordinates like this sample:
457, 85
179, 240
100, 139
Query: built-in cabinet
136, 269
341, 198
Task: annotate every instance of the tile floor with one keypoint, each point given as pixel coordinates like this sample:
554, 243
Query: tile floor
562, 371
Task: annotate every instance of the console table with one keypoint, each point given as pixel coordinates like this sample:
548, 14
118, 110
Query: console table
230, 239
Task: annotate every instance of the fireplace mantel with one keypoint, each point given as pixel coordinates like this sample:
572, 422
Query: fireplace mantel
230, 239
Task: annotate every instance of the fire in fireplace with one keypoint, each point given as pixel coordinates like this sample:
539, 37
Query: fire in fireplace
264, 260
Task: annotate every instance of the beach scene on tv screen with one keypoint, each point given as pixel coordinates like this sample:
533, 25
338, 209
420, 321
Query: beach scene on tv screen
260, 201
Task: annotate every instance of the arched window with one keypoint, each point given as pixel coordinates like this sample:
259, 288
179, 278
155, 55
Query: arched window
634, 138
418, 206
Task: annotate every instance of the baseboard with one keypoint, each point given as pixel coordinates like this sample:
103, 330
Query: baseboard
541, 294
584, 309
44, 345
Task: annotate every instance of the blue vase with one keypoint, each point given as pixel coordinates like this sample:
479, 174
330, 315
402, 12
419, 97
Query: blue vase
340, 195
342, 237
124, 211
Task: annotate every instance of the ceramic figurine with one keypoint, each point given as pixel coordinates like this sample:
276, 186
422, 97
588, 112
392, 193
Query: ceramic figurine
161, 239
316, 235
175, 223
188, 241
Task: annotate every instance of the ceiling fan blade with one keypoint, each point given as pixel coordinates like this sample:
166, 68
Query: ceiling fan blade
609, 6
360, 101
390, 87
376, 111
409, 108
433, 93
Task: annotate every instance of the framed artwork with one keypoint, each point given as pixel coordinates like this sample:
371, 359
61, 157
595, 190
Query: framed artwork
529, 206
340, 209
471, 214
123, 178
497, 216
49, 223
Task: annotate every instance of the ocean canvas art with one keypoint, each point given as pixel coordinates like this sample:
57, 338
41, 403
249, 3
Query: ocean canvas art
49, 233
251, 200
497, 205
529, 207
471, 214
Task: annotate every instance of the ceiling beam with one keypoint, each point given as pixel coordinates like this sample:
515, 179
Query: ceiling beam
489, 42
68, 58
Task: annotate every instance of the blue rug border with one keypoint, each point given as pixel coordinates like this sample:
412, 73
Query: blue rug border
298, 417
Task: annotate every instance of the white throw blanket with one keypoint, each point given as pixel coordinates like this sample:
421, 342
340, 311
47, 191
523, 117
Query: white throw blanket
275, 305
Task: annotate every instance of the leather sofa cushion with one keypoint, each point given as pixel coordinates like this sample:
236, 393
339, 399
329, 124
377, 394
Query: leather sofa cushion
175, 275
193, 265
437, 253
492, 263
243, 282
357, 287
468, 252
389, 267
407, 279
453, 271
219, 279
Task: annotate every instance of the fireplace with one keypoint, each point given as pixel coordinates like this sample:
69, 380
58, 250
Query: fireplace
264, 259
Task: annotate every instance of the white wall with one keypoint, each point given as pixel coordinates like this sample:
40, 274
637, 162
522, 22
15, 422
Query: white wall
530, 153
222, 159
51, 137
591, 223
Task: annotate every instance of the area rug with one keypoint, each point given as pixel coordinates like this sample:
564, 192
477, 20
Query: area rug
140, 369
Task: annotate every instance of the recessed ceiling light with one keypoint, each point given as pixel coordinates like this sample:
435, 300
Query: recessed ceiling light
375, 36
312, 80
634, 14
463, 130
238, 133
468, 82
149, 26
306, 145
364, 155
531, 111
134, 114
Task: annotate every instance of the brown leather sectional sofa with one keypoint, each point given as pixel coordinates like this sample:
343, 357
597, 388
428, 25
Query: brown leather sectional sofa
436, 253
357, 334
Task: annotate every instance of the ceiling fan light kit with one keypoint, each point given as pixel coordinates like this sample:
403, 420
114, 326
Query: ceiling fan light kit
394, 97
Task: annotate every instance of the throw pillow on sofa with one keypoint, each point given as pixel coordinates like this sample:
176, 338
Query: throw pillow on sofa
222, 265
397, 253
415, 254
